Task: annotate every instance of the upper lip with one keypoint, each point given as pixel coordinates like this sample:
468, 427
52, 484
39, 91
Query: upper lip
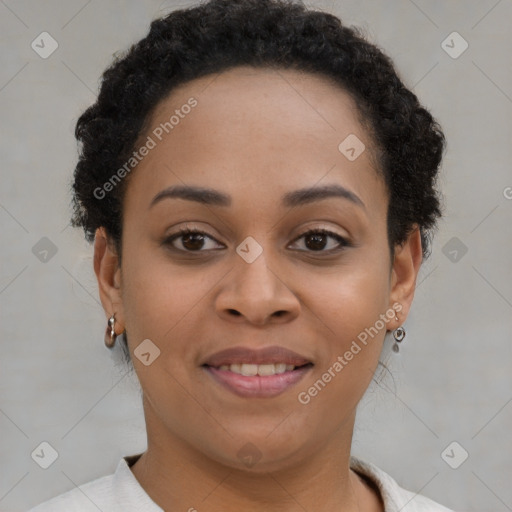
270, 355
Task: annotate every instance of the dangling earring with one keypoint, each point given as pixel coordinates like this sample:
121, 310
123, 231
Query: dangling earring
399, 335
110, 333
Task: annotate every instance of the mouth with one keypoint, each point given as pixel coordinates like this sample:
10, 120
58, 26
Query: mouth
262, 370
260, 373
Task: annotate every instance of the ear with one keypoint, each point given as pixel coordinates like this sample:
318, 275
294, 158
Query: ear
108, 274
406, 265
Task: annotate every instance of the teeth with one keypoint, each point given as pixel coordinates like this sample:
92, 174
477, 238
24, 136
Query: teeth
250, 370
281, 367
266, 369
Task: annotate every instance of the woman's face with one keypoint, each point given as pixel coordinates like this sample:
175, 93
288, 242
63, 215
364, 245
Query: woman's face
251, 281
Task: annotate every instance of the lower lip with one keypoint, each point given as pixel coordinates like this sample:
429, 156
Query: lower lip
258, 386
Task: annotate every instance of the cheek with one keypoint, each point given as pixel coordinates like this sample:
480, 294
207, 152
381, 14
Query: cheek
350, 308
160, 304
352, 297
158, 298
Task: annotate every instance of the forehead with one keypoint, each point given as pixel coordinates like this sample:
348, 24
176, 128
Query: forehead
259, 130
288, 104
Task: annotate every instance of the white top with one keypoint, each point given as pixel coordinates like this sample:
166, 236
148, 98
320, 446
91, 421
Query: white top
121, 492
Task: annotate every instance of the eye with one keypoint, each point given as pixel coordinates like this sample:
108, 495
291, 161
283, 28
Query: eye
191, 240
316, 240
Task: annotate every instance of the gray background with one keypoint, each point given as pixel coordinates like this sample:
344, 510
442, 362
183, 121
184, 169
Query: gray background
452, 379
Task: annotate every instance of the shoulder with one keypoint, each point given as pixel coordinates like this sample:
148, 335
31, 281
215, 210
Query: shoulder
90, 496
395, 497
118, 492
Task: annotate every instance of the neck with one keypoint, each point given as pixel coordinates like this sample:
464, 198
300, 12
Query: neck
178, 477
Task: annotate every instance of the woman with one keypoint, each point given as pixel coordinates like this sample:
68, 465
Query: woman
260, 189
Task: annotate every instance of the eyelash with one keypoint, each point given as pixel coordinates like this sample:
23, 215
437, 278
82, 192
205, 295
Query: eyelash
187, 231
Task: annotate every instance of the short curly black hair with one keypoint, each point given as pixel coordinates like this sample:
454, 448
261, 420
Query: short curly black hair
216, 35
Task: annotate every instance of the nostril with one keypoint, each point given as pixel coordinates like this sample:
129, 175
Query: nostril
234, 312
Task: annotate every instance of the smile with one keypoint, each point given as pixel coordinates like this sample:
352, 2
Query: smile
263, 370
257, 380
257, 373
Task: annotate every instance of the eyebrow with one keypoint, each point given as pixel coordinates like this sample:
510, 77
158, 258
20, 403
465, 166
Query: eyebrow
209, 196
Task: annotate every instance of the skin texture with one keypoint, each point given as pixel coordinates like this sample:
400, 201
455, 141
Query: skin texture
255, 135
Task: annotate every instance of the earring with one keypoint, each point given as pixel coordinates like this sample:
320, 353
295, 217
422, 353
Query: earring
399, 335
110, 333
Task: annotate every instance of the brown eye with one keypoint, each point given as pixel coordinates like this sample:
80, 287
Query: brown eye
317, 240
190, 240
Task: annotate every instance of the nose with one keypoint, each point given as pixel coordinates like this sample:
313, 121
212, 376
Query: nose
255, 293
